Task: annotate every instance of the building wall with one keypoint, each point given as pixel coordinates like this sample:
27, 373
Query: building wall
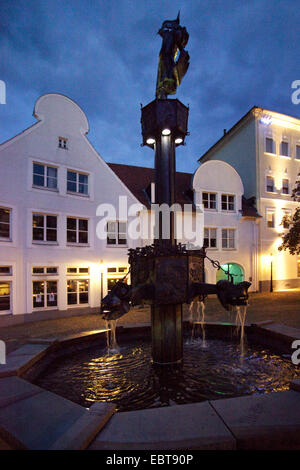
273, 164
57, 116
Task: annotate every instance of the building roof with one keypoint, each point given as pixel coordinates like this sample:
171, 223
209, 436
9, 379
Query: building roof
138, 179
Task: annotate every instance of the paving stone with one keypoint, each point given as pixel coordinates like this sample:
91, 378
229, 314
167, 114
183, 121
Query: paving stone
20, 360
13, 389
83, 431
284, 330
187, 427
270, 421
40, 420
29, 350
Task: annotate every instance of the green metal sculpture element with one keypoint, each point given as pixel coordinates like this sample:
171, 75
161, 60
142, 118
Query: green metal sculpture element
171, 72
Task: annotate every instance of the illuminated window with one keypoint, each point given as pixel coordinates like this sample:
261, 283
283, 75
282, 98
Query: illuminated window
5, 224
5, 270
36, 270
5, 297
116, 233
270, 184
77, 182
270, 145
44, 294
270, 218
44, 227
78, 270
285, 186
228, 238
227, 202
210, 237
44, 176
77, 230
284, 149
286, 218
62, 143
78, 291
209, 200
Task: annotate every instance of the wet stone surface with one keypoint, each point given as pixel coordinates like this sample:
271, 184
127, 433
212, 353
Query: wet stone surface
127, 378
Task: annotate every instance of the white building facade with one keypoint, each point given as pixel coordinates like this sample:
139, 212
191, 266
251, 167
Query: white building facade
61, 247
264, 148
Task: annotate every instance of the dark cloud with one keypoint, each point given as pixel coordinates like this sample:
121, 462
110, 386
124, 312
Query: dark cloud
103, 54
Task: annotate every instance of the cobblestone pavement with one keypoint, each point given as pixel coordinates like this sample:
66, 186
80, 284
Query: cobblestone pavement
281, 307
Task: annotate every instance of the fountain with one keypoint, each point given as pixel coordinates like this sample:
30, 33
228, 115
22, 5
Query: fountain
167, 274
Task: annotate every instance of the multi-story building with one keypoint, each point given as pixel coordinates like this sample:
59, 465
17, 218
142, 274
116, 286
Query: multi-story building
64, 236
264, 148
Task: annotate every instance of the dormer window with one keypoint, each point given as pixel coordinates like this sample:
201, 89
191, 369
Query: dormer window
62, 143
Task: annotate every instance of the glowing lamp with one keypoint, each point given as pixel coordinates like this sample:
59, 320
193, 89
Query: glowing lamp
166, 132
179, 140
150, 141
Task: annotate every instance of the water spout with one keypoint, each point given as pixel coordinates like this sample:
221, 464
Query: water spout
111, 340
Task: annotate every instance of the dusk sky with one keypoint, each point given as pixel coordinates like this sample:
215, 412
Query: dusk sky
103, 54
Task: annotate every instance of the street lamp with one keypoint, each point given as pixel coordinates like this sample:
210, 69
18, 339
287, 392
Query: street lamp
271, 274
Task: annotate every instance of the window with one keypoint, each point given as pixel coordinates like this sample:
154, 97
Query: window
284, 149
5, 271
298, 267
270, 218
285, 186
44, 227
209, 200
77, 230
298, 151
77, 182
286, 218
116, 233
210, 237
36, 270
44, 176
4, 223
5, 292
62, 143
44, 294
270, 146
228, 238
78, 291
78, 270
227, 202
270, 184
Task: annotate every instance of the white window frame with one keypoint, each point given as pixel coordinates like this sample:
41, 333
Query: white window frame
77, 271
9, 238
45, 176
209, 247
297, 146
229, 230
44, 272
77, 243
62, 143
227, 202
45, 241
9, 282
77, 183
117, 233
77, 280
210, 193
45, 281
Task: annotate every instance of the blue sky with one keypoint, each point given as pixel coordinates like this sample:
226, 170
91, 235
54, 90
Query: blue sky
103, 54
